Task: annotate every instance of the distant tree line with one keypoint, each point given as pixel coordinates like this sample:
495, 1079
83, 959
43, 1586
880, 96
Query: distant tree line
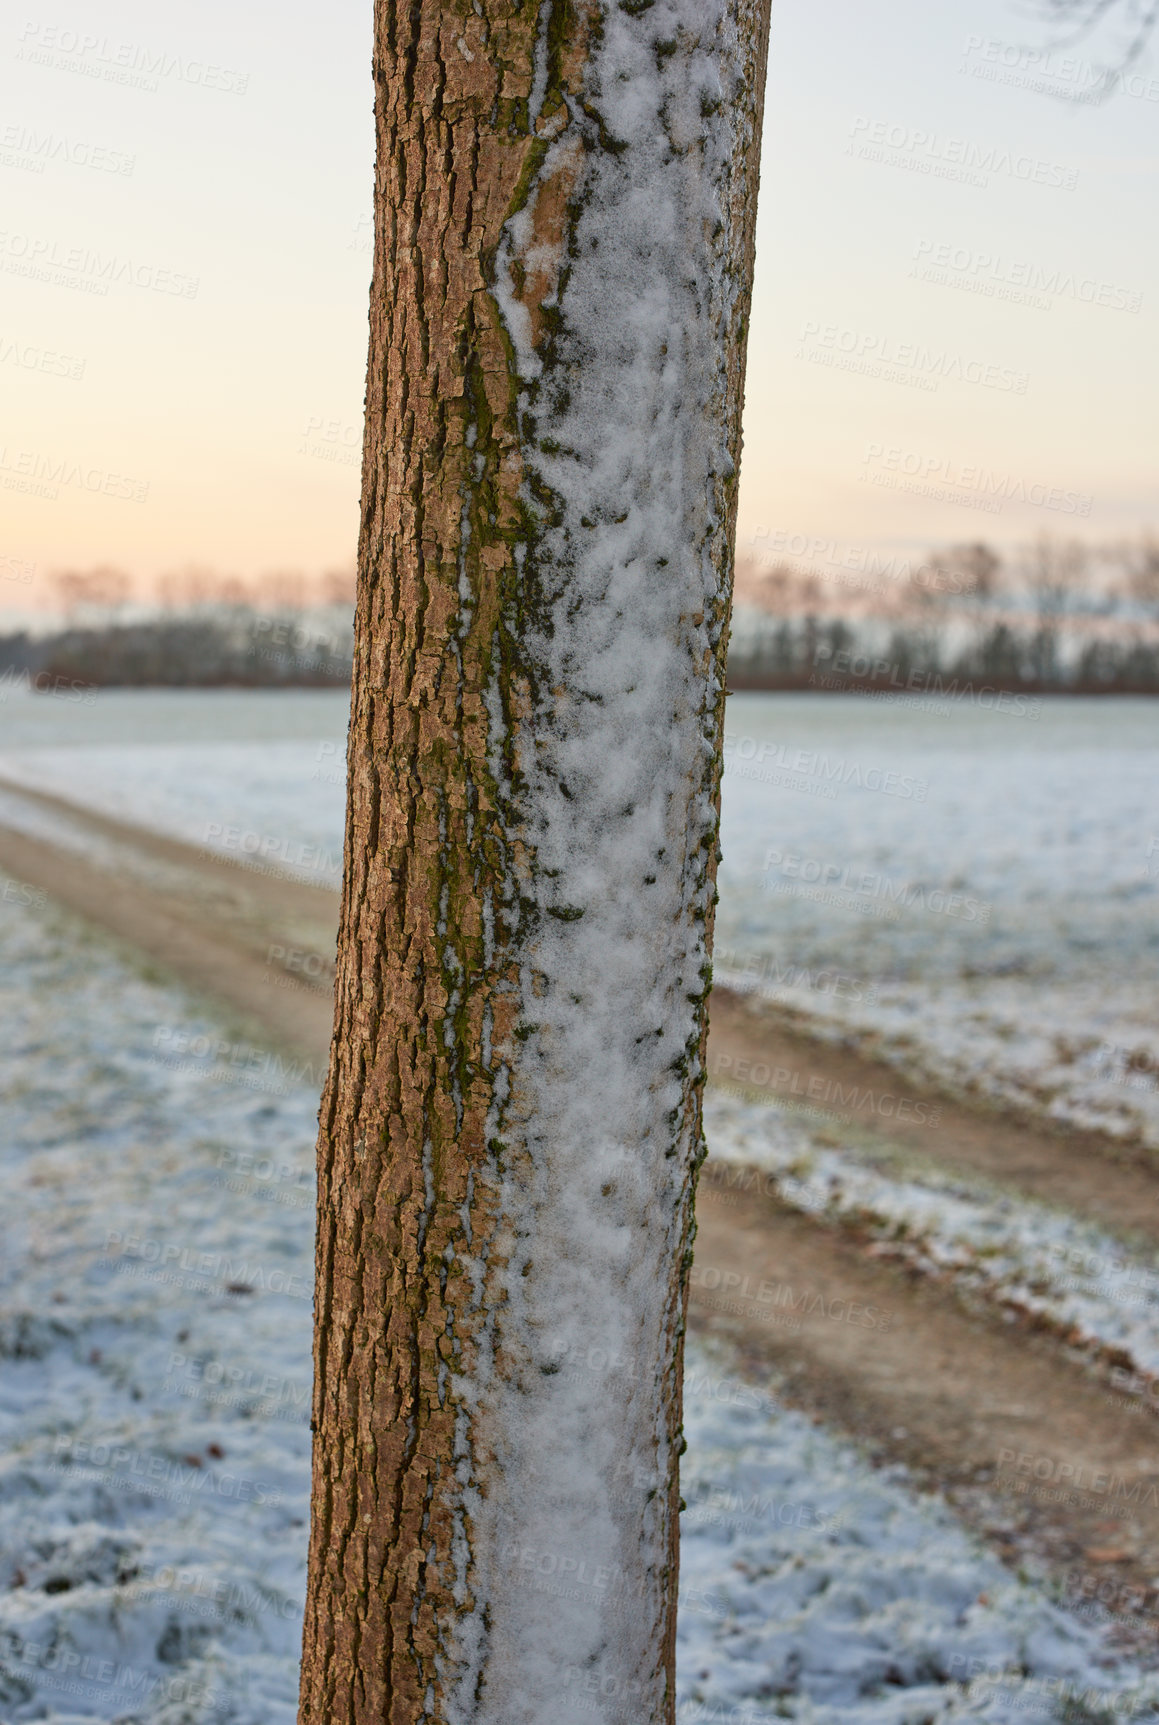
1056, 616
240, 649
1060, 616
197, 629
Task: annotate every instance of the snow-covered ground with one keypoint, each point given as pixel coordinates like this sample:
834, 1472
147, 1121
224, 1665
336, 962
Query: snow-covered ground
972, 888
979, 897
154, 1407
156, 1327
258, 776
814, 1589
1024, 1256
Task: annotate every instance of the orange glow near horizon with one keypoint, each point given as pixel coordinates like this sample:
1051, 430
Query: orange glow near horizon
951, 332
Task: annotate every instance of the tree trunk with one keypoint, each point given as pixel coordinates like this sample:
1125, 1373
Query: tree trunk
510, 1133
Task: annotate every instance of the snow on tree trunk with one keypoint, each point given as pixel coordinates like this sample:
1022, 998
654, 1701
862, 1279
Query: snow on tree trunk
512, 1124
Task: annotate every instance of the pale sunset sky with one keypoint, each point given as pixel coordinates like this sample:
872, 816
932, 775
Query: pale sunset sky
955, 304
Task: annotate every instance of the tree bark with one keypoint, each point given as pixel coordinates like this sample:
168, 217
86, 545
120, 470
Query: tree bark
511, 1127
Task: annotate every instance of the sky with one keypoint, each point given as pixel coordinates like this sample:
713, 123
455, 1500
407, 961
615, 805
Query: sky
954, 319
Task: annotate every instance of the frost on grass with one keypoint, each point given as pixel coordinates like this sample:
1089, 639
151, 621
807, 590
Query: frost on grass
1024, 1256
1036, 987
148, 1579
155, 1333
815, 1589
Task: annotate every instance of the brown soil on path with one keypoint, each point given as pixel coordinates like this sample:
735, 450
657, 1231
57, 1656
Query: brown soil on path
257, 944
280, 895
766, 1051
1033, 1449
263, 944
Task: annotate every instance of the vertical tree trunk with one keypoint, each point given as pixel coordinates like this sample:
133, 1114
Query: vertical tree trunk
511, 1127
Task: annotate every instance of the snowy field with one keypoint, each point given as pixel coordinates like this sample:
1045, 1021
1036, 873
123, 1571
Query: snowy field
990, 878
971, 889
154, 1406
258, 776
1023, 1256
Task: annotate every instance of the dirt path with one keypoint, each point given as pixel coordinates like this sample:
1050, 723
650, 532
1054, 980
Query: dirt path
1038, 1455
263, 944
1035, 1451
260, 945
764, 1051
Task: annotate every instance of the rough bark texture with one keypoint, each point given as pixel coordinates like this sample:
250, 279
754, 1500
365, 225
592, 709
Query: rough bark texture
565, 197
